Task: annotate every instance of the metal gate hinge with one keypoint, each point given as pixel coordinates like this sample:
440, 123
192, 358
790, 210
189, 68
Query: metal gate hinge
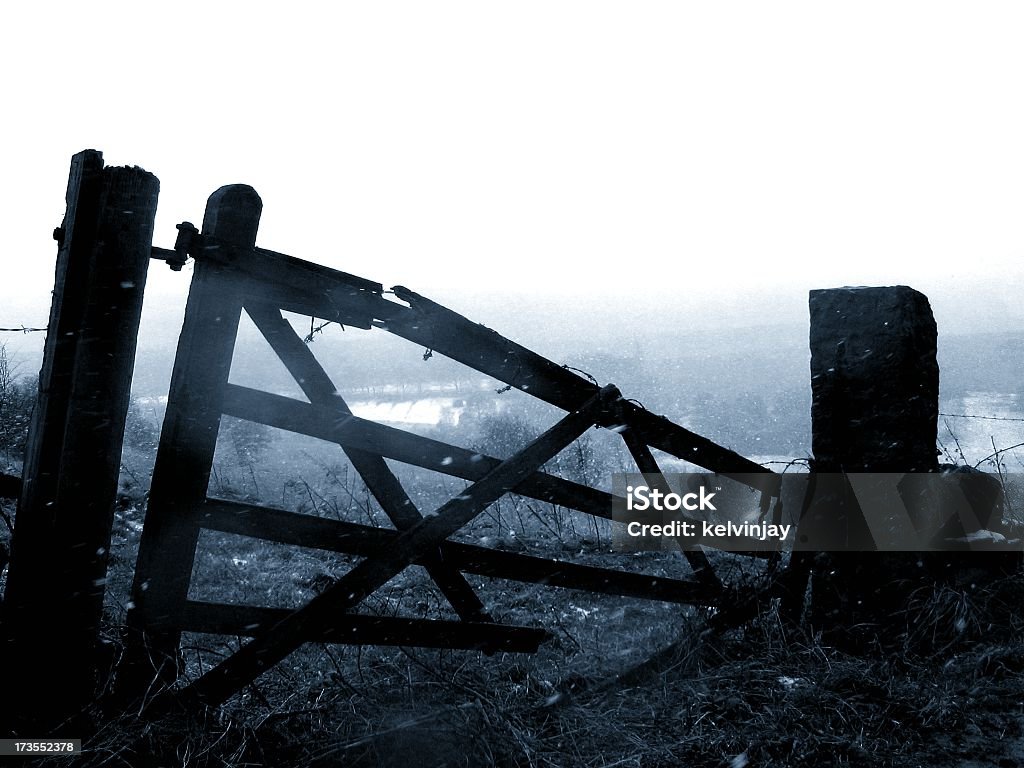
186, 244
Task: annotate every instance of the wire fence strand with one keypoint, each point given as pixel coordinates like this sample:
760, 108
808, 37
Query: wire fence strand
985, 418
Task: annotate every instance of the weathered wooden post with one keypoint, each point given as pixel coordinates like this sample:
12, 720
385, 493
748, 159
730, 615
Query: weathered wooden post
875, 389
188, 440
54, 596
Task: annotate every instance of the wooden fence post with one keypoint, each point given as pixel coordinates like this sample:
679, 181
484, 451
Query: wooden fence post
188, 440
54, 596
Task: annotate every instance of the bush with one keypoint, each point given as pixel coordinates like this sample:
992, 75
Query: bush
17, 400
141, 429
248, 439
502, 435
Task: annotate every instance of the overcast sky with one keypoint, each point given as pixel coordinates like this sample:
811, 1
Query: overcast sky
675, 151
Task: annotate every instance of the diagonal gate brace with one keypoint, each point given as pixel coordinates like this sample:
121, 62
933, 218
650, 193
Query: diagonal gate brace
273, 645
323, 423
385, 487
648, 465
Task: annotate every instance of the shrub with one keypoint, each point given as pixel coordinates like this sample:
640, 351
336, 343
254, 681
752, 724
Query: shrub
17, 400
140, 428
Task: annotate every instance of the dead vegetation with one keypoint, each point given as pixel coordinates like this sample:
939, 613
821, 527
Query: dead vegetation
623, 683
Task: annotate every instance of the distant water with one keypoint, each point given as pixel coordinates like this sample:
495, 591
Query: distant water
971, 440
426, 411
399, 409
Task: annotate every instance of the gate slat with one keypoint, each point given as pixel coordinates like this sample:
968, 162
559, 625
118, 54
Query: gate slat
379, 479
272, 646
648, 465
335, 294
355, 629
322, 533
315, 421
439, 328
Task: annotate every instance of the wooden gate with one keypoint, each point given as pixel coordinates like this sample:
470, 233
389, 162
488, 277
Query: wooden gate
232, 276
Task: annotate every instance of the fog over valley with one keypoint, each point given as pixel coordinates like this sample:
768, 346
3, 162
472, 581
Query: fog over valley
736, 373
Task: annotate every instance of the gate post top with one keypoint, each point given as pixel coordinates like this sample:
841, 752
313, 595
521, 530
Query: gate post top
874, 380
233, 213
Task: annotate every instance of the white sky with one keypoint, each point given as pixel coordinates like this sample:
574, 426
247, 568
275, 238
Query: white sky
590, 149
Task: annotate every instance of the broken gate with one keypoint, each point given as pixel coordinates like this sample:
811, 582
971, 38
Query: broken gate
232, 276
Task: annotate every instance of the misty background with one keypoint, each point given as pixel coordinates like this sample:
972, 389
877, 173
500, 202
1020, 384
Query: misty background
645, 194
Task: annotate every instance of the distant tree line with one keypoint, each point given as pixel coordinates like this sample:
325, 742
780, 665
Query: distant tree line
18, 394
17, 399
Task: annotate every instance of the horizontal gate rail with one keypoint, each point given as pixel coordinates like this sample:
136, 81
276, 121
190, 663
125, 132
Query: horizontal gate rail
334, 295
357, 629
297, 285
233, 276
270, 647
341, 536
371, 466
451, 334
409, 448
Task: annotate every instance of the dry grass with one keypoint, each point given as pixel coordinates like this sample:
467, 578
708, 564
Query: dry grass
623, 682
756, 697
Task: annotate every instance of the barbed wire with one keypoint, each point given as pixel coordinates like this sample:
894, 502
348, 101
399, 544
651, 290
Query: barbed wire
985, 418
314, 329
580, 370
22, 329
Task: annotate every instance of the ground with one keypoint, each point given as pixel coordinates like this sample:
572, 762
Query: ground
622, 682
